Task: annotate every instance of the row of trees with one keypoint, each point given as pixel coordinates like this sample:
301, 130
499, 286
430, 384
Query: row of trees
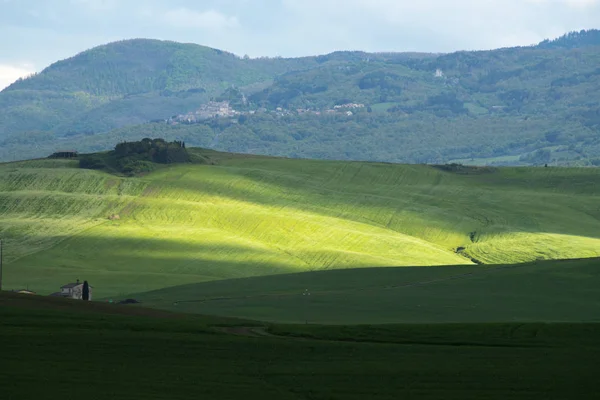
138, 156
155, 150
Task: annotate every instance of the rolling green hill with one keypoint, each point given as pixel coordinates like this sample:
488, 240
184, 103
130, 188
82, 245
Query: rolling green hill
239, 216
543, 291
516, 106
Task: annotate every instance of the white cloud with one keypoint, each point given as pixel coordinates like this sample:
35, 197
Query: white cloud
10, 73
208, 20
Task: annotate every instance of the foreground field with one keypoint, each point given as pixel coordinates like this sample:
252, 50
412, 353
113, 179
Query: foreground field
551, 291
252, 216
57, 348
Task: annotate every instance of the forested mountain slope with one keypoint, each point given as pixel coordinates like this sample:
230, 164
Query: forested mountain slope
521, 106
124, 83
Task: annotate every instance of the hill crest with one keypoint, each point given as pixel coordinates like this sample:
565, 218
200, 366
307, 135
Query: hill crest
239, 216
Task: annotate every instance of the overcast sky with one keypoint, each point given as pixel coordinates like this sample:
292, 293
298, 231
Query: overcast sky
36, 33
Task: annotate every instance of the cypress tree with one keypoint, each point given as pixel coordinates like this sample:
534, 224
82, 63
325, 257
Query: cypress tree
86, 291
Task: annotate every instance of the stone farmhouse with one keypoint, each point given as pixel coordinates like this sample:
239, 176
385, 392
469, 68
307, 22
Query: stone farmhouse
72, 291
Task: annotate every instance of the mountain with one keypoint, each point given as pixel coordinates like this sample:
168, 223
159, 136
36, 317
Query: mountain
514, 106
125, 83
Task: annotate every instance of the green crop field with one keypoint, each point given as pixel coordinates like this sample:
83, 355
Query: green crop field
459, 264
52, 348
243, 216
549, 291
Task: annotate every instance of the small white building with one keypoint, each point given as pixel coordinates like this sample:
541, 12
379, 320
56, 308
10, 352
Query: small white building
73, 291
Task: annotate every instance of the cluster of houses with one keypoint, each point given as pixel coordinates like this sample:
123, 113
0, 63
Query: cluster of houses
346, 108
212, 109
350, 106
223, 109
340, 108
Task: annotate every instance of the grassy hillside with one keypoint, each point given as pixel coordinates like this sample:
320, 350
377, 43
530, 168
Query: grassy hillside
517, 106
549, 291
60, 347
250, 216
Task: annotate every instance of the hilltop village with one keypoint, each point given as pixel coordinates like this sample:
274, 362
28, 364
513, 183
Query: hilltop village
224, 109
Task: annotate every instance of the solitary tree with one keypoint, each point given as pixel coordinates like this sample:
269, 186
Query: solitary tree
86, 291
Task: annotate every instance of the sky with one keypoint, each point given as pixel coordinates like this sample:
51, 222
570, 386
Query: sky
36, 33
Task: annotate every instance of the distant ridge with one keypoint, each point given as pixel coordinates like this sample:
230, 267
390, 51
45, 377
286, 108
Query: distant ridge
574, 39
531, 105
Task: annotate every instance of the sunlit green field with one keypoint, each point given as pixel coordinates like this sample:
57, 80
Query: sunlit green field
252, 216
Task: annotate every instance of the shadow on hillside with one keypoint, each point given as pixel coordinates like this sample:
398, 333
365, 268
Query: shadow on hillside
354, 280
541, 291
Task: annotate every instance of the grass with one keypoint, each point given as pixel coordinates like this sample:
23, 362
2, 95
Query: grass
56, 348
548, 291
216, 248
253, 216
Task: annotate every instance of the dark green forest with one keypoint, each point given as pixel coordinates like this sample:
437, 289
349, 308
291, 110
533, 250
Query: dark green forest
515, 106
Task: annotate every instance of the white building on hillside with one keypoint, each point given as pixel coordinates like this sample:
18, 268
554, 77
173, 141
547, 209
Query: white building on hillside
72, 291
